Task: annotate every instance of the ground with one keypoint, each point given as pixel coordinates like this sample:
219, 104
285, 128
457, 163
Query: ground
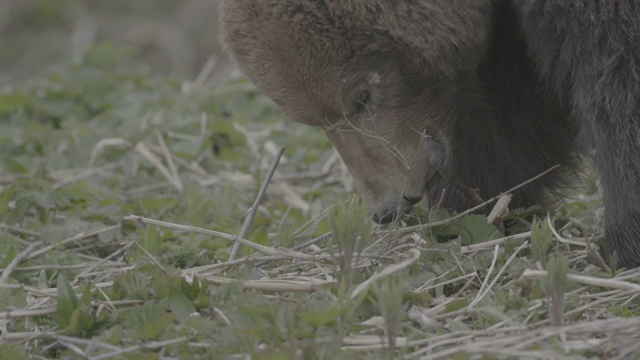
123, 190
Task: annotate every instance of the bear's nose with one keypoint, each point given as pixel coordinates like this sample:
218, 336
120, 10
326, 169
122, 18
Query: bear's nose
384, 217
387, 212
412, 199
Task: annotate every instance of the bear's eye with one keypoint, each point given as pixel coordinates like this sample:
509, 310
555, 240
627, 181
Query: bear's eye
362, 100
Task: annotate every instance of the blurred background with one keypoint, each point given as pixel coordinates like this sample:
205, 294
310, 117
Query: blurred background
171, 36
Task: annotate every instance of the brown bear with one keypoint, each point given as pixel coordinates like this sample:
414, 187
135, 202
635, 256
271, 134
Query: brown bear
437, 96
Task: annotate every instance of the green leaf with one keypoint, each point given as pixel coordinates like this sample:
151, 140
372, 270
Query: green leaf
15, 166
85, 299
138, 355
13, 352
622, 311
81, 322
5, 196
67, 302
113, 336
86, 320
320, 317
151, 240
12, 101
131, 284
456, 305
541, 236
11, 254
190, 289
148, 321
474, 229
180, 305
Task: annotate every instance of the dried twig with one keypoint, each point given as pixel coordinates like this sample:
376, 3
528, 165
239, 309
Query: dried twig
587, 280
244, 231
261, 248
17, 260
74, 239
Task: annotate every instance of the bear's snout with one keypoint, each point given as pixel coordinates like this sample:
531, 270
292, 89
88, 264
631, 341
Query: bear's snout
386, 212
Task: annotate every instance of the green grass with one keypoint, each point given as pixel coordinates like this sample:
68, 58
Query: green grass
122, 194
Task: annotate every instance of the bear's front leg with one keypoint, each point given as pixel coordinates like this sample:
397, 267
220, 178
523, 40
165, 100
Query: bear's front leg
590, 51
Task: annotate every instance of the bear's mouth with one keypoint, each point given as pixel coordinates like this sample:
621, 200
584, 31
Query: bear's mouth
387, 212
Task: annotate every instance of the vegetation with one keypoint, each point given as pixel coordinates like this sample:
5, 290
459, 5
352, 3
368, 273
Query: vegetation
123, 193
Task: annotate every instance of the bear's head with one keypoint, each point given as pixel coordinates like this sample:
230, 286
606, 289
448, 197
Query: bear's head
372, 73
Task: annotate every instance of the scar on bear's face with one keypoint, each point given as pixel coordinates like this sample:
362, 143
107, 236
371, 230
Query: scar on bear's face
374, 78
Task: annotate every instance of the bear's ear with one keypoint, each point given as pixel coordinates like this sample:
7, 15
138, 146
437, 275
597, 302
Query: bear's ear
449, 34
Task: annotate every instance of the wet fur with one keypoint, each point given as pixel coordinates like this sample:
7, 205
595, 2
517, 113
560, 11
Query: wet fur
513, 87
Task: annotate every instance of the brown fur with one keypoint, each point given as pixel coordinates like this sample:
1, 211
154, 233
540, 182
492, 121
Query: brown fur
404, 89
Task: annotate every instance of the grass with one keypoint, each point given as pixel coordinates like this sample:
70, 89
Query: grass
123, 195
